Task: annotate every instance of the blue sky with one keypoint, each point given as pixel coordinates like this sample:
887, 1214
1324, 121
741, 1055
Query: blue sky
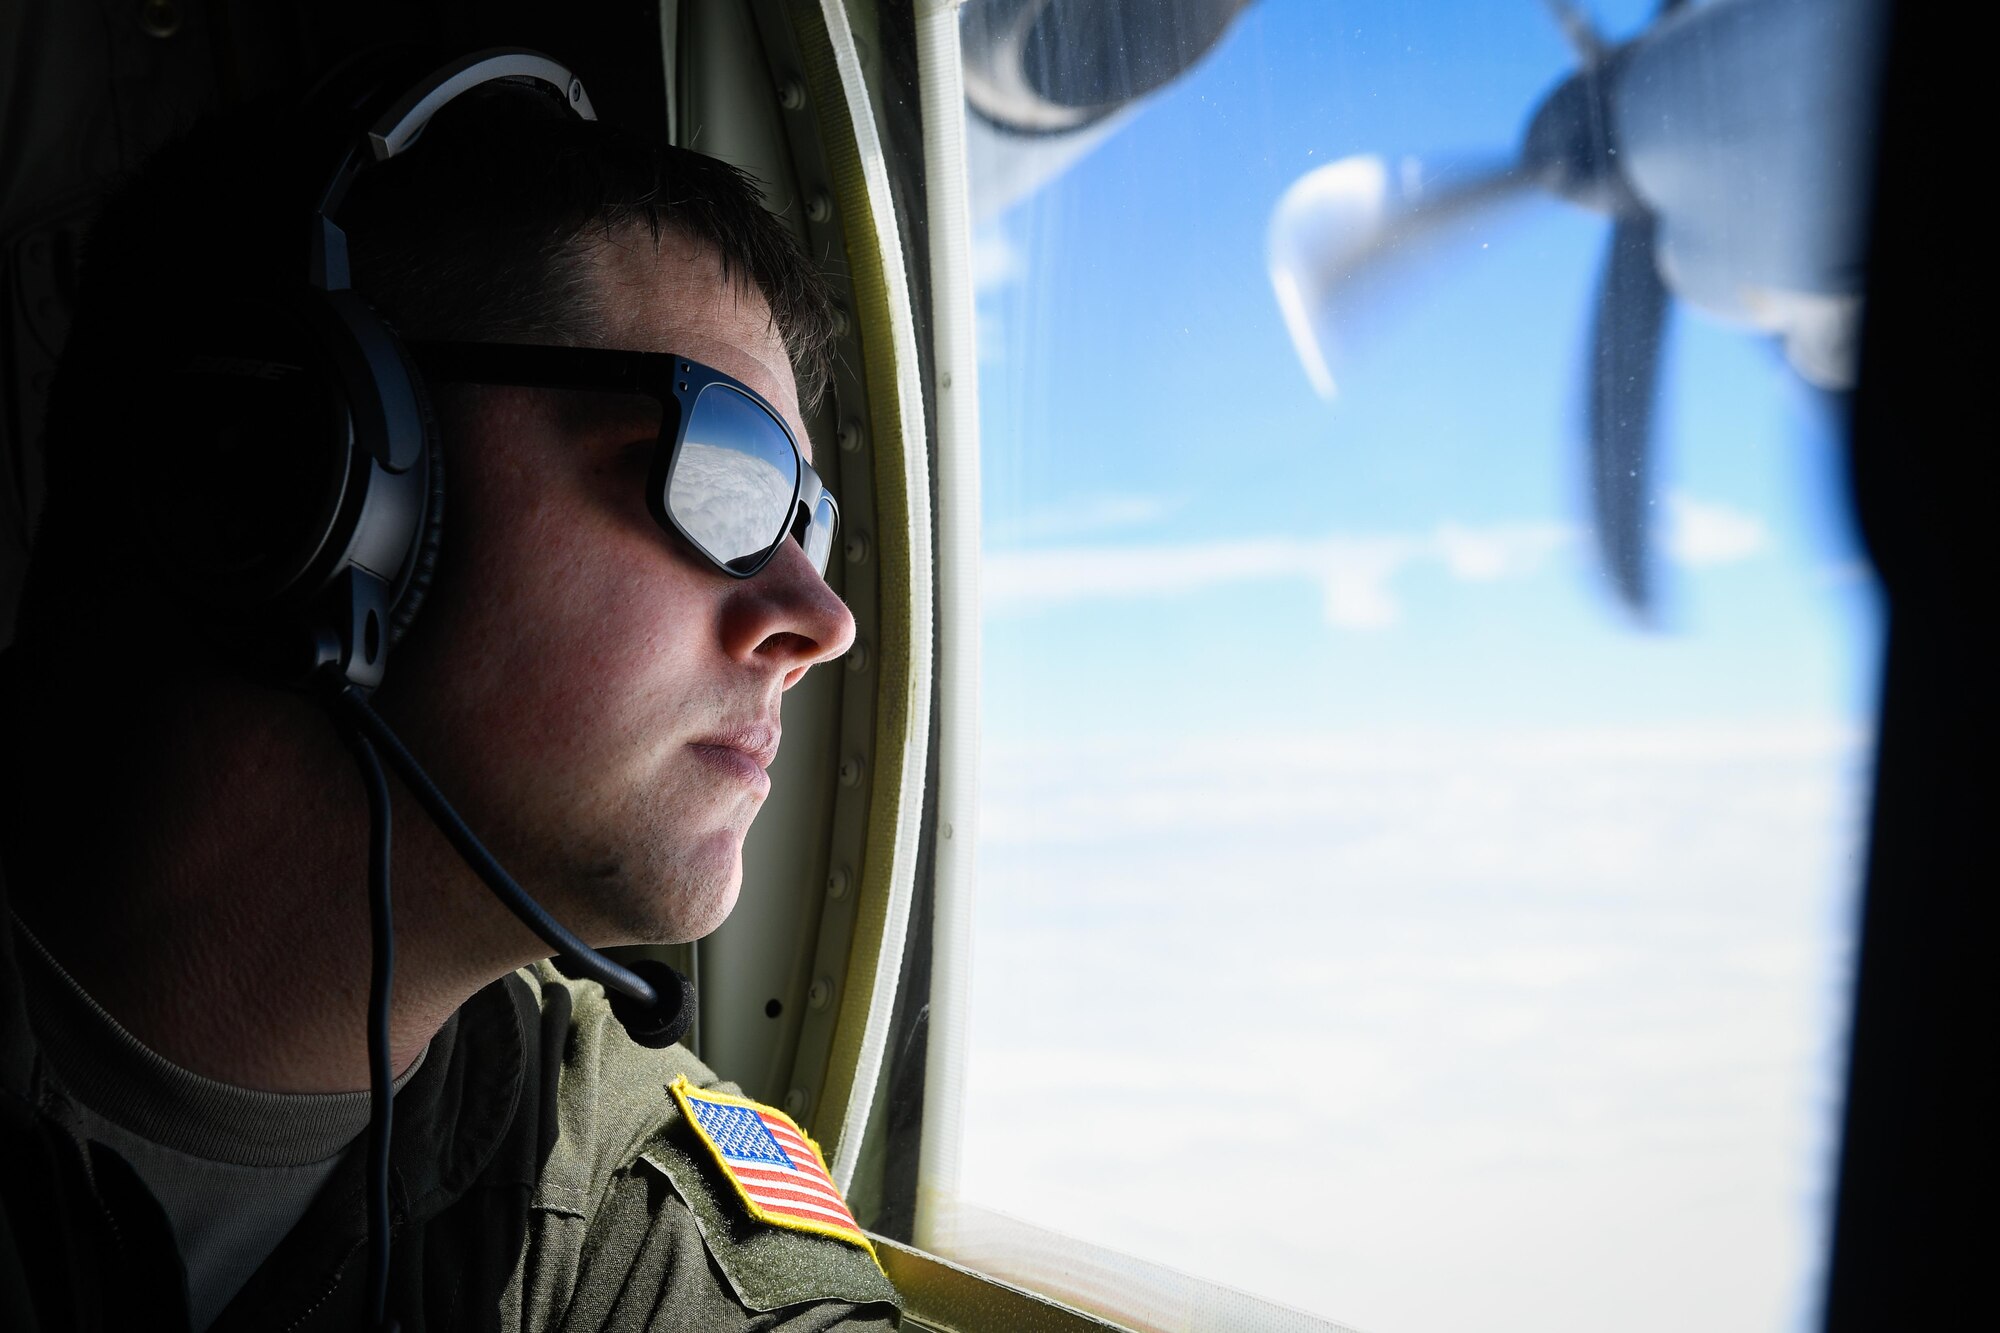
1537, 924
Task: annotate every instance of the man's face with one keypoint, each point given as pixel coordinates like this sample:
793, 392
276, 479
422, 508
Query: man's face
599, 700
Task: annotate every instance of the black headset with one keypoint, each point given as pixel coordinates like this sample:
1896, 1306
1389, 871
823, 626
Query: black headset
316, 581
306, 385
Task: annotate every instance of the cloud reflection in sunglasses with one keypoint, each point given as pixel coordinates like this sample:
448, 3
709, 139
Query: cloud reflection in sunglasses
731, 502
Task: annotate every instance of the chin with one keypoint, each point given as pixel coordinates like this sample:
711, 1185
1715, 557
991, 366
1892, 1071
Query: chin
681, 899
719, 905
706, 892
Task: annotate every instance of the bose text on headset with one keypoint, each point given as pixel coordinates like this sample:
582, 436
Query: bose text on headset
322, 605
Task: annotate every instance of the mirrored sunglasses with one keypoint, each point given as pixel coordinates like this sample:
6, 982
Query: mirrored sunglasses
727, 474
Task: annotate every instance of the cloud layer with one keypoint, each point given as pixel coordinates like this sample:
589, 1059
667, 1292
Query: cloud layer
1357, 573
1426, 1031
1702, 533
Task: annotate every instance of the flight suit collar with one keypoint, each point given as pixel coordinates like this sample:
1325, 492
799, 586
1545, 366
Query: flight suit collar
451, 1126
457, 1122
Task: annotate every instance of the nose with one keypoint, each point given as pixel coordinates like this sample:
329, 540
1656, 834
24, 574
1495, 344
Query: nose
787, 618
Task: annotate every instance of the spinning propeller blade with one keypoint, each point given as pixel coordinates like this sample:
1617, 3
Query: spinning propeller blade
1348, 224
1624, 373
1625, 350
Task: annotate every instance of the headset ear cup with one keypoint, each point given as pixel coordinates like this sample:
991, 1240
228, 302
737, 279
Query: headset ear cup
252, 440
423, 563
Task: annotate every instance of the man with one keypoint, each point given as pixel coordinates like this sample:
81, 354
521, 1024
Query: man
182, 1038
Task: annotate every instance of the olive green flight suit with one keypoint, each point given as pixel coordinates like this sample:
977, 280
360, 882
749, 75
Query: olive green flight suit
541, 1178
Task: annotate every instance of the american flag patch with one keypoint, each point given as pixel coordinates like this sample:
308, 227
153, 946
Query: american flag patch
776, 1169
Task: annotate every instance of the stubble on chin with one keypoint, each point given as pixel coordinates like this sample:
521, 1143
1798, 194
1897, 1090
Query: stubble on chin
648, 880
646, 908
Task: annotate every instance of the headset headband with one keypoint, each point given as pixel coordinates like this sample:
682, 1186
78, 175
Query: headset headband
405, 121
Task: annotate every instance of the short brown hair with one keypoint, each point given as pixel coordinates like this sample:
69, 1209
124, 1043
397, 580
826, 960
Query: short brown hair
461, 240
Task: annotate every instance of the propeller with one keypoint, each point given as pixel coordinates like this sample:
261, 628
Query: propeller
1351, 224
1571, 149
1339, 226
1625, 341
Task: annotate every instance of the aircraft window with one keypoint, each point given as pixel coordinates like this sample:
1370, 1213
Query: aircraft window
1428, 667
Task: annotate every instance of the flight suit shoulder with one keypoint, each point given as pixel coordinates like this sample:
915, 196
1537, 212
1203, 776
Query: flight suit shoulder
637, 1194
609, 1092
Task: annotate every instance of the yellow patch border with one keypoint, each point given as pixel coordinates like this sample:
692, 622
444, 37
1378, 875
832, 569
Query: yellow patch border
685, 1092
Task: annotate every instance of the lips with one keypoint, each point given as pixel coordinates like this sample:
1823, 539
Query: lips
742, 753
758, 741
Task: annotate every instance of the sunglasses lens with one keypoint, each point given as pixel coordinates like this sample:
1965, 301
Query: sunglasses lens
734, 478
819, 534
